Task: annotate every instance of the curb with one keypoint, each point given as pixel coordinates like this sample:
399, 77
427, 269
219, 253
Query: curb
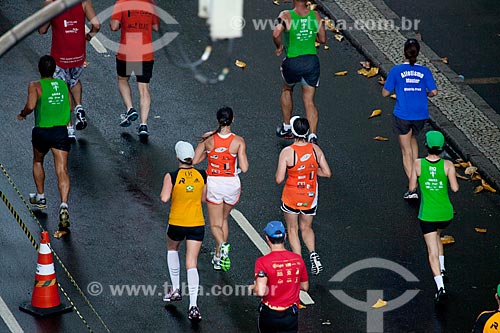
455, 138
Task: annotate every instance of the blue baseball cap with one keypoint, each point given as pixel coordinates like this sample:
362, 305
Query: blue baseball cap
275, 229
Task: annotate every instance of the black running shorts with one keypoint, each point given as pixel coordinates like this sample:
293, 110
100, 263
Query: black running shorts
177, 233
278, 321
143, 70
43, 139
402, 127
428, 227
302, 69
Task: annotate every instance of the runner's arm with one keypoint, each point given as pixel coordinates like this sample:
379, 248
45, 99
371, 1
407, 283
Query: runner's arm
452, 175
278, 30
199, 153
304, 286
114, 25
30, 103
282, 165
432, 93
242, 156
321, 35
166, 190
92, 17
44, 28
385, 92
324, 168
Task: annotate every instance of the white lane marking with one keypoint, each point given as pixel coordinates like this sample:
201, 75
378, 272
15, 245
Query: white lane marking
8, 318
261, 245
96, 43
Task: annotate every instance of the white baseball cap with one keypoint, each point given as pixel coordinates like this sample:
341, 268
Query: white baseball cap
184, 150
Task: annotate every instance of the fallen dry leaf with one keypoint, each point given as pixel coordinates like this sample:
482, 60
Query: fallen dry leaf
444, 60
380, 303
365, 64
302, 306
478, 189
240, 64
461, 165
317, 44
326, 47
380, 138
372, 72
342, 73
86, 64
447, 239
381, 81
61, 233
393, 96
327, 322
487, 186
375, 113
476, 176
462, 177
329, 24
481, 230
311, 6
339, 37
363, 71
276, 2
470, 170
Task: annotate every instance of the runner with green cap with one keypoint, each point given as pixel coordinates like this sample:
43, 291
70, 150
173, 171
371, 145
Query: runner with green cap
433, 175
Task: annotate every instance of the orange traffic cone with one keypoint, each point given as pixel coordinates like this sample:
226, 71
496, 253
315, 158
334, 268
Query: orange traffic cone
45, 300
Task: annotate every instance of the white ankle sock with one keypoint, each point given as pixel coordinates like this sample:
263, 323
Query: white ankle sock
286, 127
63, 205
40, 196
173, 268
193, 284
439, 282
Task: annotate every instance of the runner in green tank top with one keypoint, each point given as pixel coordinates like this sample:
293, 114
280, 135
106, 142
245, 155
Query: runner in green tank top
49, 98
436, 212
296, 33
52, 104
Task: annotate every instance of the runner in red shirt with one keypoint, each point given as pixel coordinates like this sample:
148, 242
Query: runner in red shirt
303, 161
279, 278
137, 21
69, 51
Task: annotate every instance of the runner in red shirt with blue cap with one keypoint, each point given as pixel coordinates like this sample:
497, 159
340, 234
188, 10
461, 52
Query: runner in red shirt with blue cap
279, 278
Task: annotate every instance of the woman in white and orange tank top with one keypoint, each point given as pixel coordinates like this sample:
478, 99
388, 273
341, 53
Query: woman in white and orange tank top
303, 162
226, 155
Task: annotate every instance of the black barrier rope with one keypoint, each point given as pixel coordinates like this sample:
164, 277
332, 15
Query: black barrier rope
36, 246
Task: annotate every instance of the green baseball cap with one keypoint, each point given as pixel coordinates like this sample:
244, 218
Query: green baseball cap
434, 139
498, 290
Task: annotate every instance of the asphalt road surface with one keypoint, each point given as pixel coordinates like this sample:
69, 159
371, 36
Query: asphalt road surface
118, 221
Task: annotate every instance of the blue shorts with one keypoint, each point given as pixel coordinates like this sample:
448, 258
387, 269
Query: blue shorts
302, 69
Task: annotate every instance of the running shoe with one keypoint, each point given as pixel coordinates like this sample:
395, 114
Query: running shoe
63, 217
194, 313
313, 139
316, 266
143, 131
38, 203
128, 117
225, 261
440, 297
81, 121
410, 195
216, 263
71, 133
446, 279
282, 133
174, 295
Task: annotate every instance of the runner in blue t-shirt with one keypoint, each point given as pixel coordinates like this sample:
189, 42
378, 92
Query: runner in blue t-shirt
412, 83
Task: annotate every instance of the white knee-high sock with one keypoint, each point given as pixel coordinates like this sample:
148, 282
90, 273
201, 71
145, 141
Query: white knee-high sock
173, 268
193, 284
441, 262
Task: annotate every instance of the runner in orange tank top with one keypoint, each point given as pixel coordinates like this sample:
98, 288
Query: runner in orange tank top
226, 155
303, 161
